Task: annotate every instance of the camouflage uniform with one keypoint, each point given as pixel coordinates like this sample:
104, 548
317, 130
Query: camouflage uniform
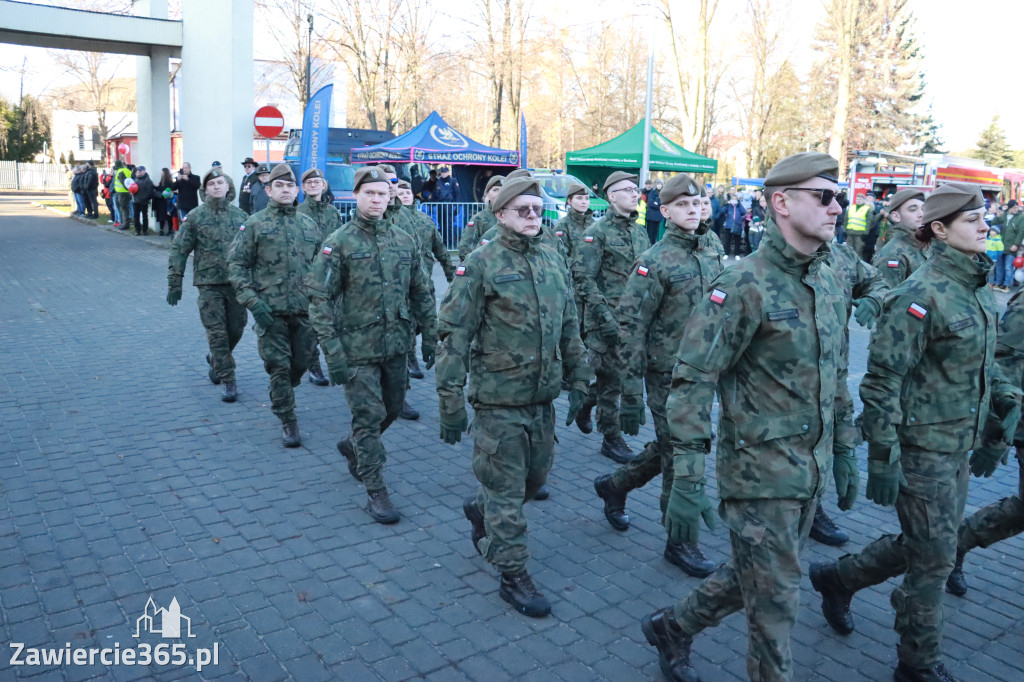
431, 245
769, 338
509, 319
602, 265
362, 285
924, 396
548, 238
327, 220
572, 226
208, 231
481, 221
901, 256
268, 261
669, 280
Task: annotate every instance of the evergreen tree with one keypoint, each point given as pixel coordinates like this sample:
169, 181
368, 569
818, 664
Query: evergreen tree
992, 146
24, 129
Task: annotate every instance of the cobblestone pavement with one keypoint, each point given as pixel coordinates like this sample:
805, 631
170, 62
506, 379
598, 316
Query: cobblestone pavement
125, 478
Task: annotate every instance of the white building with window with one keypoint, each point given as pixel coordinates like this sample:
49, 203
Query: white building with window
78, 132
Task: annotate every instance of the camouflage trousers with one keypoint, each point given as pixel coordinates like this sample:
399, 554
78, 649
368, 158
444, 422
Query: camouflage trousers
847, 435
375, 394
284, 348
856, 242
763, 579
604, 359
224, 319
999, 521
513, 448
929, 507
656, 457
124, 207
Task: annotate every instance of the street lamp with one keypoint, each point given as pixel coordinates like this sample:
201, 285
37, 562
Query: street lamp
309, 55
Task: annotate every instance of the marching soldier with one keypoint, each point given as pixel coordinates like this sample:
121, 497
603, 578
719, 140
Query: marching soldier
509, 320
578, 217
367, 290
208, 231
268, 261
482, 220
902, 253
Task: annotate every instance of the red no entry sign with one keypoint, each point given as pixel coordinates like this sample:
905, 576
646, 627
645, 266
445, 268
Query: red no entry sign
269, 121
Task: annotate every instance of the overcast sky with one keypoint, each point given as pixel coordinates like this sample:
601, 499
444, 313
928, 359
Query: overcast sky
968, 48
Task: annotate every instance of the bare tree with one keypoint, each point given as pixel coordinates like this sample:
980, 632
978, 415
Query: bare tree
288, 23
97, 75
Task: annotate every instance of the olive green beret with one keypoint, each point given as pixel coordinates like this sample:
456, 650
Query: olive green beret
214, 173
519, 173
282, 170
951, 198
312, 173
794, 169
369, 174
403, 184
677, 186
386, 167
514, 188
619, 176
495, 180
902, 197
576, 188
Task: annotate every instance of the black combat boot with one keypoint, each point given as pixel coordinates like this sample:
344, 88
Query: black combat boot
316, 376
614, 502
687, 556
825, 531
542, 494
583, 420
476, 517
519, 591
936, 673
345, 448
673, 645
230, 393
214, 379
378, 505
615, 449
956, 583
835, 598
291, 437
408, 412
414, 367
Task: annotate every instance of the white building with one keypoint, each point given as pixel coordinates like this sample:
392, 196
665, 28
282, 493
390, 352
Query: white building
78, 132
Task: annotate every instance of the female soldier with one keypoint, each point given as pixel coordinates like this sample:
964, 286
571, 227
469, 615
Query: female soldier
931, 378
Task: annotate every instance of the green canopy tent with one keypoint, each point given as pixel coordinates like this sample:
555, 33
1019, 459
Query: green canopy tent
625, 152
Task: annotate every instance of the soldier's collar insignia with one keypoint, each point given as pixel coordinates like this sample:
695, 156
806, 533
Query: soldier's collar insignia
718, 296
460, 271
917, 310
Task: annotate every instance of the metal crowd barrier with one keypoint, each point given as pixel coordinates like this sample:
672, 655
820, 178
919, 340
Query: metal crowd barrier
450, 218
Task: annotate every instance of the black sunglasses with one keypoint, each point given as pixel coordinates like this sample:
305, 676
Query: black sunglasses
826, 195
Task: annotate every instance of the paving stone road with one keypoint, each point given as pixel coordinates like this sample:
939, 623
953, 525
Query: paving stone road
125, 478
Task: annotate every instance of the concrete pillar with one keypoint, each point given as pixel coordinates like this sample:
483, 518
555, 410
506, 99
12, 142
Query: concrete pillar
217, 83
152, 98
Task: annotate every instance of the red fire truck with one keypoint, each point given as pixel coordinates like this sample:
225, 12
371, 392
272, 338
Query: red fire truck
886, 173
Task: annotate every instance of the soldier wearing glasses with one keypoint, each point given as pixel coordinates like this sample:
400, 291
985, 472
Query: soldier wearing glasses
600, 270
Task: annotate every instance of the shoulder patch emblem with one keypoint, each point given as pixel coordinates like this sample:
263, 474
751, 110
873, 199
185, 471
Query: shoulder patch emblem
588, 239
484, 241
460, 271
559, 233
718, 296
642, 271
328, 250
918, 311
892, 263
241, 228
471, 223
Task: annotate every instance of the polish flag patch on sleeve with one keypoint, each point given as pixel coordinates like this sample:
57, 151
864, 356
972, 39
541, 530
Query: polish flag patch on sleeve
460, 271
642, 270
327, 250
588, 239
918, 311
471, 223
484, 241
718, 296
241, 228
892, 263
559, 233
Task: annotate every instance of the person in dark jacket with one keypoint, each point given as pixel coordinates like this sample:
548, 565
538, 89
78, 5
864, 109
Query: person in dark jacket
653, 216
245, 187
732, 227
141, 199
186, 186
162, 202
107, 180
91, 184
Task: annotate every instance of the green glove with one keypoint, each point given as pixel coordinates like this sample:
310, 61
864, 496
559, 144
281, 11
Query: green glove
985, 459
884, 481
453, 424
337, 363
867, 312
427, 348
687, 505
173, 296
632, 414
576, 398
844, 471
609, 329
1008, 408
262, 314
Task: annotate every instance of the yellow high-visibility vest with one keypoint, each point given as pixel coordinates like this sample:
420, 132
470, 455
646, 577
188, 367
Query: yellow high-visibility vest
857, 219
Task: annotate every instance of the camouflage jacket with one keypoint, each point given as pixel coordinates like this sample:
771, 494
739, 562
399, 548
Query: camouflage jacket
547, 237
901, 255
396, 216
366, 288
931, 362
1010, 349
602, 265
207, 231
571, 227
325, 216
269, 258
858, 279
481, 221
431, 245
712, 239
768, 338
669, 280
509, 320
